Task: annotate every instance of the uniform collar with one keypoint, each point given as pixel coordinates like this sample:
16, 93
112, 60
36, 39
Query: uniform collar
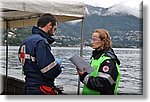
97, 53
36, 30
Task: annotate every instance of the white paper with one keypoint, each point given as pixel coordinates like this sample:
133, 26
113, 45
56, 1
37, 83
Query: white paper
81, 64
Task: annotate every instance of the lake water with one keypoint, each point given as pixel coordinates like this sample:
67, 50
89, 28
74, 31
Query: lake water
131, 81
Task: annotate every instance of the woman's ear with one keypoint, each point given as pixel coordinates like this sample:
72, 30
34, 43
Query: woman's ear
103, 42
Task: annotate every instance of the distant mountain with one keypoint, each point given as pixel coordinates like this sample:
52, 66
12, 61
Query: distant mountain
124, 26
117, 10
98, 17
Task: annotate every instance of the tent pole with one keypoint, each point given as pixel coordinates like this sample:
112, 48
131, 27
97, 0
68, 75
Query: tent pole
81, 51
6, 42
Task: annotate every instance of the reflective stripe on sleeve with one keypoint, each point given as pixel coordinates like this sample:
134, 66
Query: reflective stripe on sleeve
107, 76
50, 66
27, 56
86, 79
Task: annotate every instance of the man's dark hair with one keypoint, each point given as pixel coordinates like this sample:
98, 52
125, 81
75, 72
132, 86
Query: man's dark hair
45, 19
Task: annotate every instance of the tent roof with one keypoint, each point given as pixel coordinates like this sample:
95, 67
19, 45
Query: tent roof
19, 13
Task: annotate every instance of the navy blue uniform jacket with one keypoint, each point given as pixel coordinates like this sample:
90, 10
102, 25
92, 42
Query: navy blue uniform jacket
39, 65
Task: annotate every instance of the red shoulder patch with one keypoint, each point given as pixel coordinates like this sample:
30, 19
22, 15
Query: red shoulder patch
105, 68
22, 55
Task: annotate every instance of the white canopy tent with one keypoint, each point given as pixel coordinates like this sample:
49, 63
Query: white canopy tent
20, 13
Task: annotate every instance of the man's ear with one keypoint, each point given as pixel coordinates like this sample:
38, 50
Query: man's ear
49, 24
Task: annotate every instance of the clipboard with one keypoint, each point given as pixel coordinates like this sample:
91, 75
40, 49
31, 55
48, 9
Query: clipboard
81, 64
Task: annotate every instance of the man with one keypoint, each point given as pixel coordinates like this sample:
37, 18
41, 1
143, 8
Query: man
39, 64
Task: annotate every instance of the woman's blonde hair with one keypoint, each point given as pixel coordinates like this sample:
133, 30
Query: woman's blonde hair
105, 37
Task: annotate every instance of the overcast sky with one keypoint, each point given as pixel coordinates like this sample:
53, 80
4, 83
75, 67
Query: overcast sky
108, 3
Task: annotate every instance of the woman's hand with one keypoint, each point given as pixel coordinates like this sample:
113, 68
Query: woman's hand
81, 72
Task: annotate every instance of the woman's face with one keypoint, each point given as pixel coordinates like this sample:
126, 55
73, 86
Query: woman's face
96, 41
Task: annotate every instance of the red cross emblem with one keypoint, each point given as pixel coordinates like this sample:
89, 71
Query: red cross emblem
22, 54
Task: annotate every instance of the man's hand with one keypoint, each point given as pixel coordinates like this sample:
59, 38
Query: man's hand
59, 61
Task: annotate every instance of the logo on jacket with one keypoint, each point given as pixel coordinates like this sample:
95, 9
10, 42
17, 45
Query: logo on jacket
22, 54
105, 68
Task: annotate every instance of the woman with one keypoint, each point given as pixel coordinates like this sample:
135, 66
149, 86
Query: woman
105, 78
